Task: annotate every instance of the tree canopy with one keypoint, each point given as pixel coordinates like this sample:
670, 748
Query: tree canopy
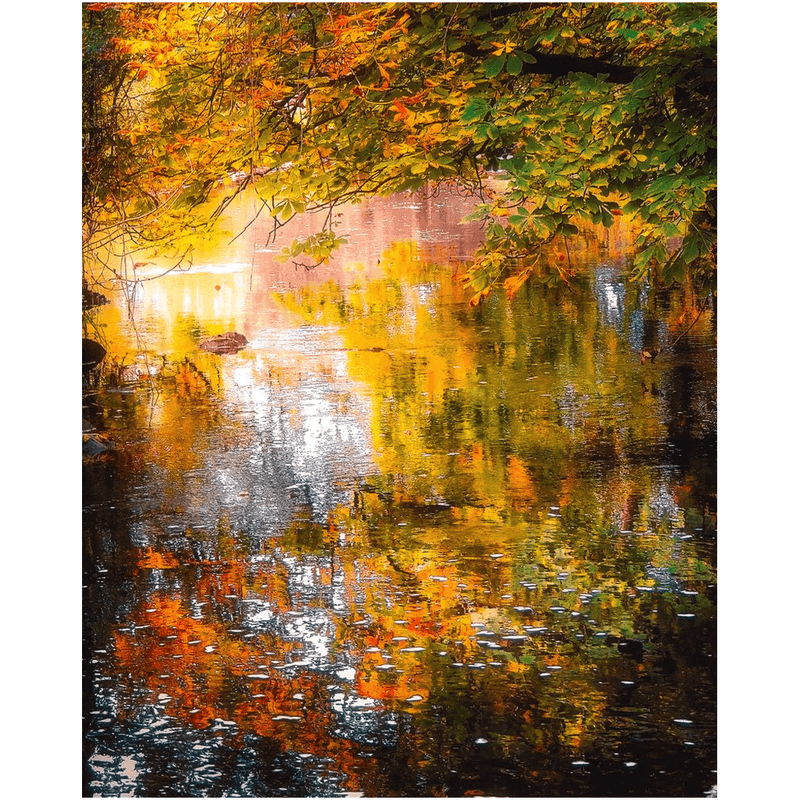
553, 114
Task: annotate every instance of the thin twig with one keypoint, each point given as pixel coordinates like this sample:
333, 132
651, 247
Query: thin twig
699, 314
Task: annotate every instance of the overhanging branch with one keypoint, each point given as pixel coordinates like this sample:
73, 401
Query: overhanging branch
558, 65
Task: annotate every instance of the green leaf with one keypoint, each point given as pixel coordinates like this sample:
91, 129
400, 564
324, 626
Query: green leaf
481, 28
689, 250
479, 212
628, 34
514, 64
494, 65
477, 108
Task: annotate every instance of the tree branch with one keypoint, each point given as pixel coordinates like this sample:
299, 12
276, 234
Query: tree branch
558, 65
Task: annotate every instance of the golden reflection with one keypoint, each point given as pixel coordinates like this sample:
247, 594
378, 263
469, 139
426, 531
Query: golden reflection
391, 505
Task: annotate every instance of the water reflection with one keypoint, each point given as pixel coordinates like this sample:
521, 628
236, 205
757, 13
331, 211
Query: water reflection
397, 545
610, 294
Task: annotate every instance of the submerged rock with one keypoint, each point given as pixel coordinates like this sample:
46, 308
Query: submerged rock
94, 445
628, 647
92, 354
223, 343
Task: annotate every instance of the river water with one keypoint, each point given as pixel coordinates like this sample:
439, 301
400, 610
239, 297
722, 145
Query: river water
397, 545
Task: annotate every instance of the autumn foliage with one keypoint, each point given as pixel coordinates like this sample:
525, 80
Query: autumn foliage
552, 115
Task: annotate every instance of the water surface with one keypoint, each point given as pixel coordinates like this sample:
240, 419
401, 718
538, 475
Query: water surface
399, 546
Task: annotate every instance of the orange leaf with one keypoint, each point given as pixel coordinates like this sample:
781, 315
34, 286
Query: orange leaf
402, 111
415, 98
475, 301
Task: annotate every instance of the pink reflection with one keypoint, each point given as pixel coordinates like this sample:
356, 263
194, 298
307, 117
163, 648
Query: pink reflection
433, 223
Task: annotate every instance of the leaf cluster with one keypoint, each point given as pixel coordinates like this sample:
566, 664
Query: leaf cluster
552, 114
